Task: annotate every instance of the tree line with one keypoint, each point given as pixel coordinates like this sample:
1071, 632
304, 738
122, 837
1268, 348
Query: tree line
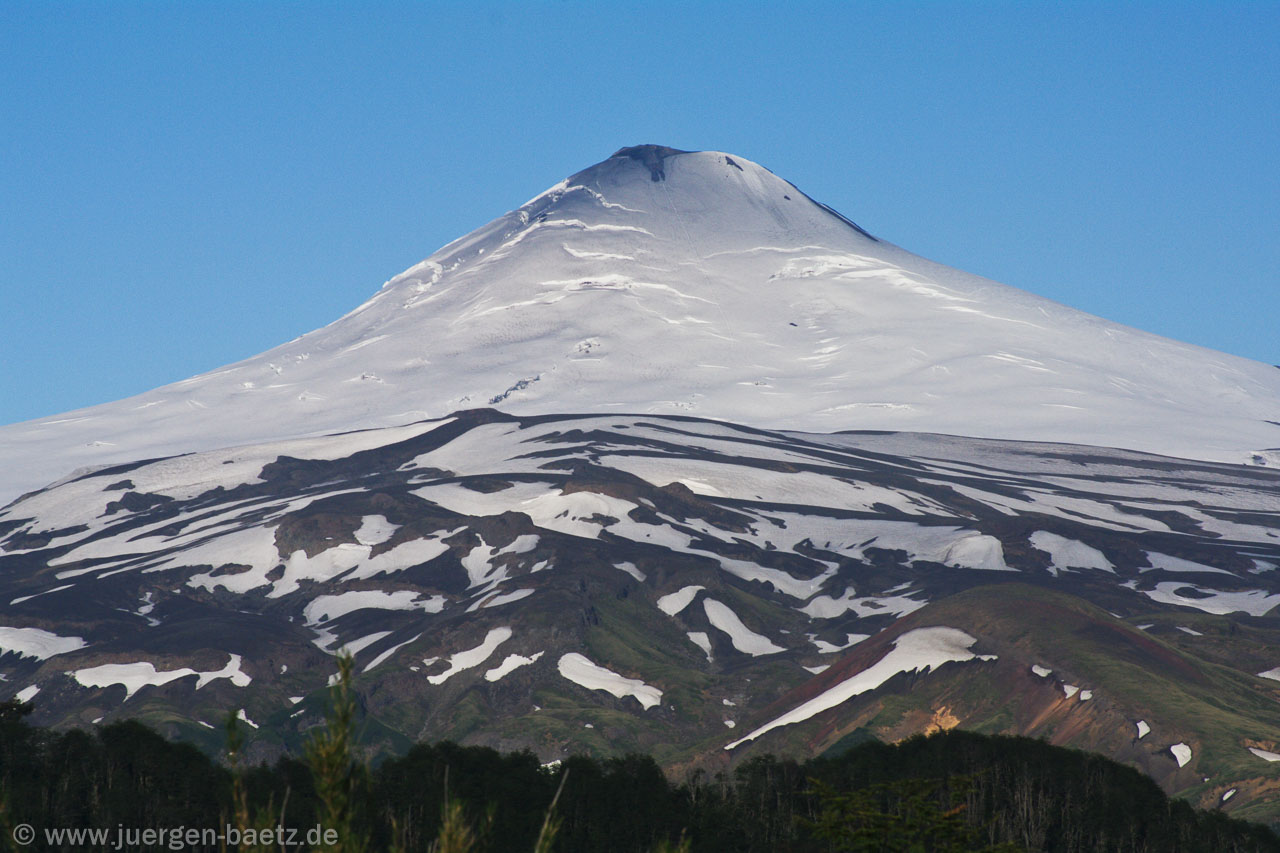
951, 791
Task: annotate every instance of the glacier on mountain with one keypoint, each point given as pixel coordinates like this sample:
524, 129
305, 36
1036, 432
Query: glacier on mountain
691, 282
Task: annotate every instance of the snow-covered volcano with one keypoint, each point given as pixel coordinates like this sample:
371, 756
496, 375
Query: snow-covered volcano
661, 281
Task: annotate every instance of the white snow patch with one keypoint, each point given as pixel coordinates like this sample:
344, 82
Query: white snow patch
743, 638
375, 529
1181, 753
1040, 670
231, 671
27, 693
782, 581
356, 646
1067, 553
630, 568
37, 643
1273, 674
825, 648
1170, 563
244, 718
23, 598
1228, 795
827, 607
389, 652
1143, 729
1086, 695
510, 663
816, 670
325, 608
499, 599
522, 544
977, 551
581, 671
354, 559
1264, 754
728, 477
135, 676
254, 547
918, 649
1070, 690
672, 603
1255, 602
401, 557
702, 641
1190, 631
324, 638
472, 657
571, 514
480, 561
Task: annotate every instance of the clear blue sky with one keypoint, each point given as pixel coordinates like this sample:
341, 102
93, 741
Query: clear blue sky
186, 184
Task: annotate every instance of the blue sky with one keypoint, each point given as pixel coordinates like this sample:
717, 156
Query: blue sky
186, 184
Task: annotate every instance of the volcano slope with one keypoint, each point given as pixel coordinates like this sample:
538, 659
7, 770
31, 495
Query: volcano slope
692, 588
699, 283
666, 459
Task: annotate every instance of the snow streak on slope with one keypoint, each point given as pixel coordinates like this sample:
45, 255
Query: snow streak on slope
922, 649
717, 289
743, 638
473, 657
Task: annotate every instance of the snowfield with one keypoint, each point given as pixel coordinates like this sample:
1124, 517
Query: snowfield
37, 643
720, 291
